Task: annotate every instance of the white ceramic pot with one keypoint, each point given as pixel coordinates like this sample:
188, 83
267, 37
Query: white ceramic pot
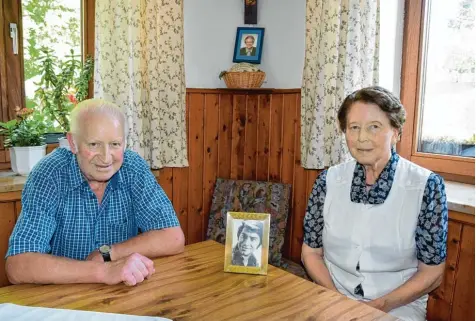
63, 142
23, 159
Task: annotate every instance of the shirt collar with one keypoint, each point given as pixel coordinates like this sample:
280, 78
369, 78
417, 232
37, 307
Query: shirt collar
77, 177
379, 191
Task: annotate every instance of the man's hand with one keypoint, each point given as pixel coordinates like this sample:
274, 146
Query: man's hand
95, 256
131, 270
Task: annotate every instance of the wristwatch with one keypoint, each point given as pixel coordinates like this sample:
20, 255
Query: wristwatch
105, 251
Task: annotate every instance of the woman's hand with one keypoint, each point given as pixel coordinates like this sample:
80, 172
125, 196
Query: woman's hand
378, 304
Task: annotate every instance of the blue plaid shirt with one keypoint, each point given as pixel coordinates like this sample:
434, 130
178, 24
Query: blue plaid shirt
61, 214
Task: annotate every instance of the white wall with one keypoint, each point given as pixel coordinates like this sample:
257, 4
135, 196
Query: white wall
210, 31
391, 43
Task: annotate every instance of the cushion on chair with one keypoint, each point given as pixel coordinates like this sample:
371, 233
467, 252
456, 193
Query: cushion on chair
294, 268
252, 197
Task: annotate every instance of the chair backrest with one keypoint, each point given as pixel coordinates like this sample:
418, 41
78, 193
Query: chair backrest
251, 197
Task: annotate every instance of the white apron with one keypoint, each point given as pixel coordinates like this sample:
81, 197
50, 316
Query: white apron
381, 238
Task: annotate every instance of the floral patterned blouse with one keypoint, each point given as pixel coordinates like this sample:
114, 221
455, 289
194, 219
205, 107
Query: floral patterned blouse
432, 229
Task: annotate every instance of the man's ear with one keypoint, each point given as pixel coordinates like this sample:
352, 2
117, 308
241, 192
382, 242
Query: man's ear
72, 143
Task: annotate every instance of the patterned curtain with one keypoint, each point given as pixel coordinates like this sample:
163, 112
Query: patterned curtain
139, 65
342, 50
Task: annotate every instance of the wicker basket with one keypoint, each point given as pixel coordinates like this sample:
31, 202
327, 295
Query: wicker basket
240, 79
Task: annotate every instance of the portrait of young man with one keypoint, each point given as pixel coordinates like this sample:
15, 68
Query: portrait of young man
248, 242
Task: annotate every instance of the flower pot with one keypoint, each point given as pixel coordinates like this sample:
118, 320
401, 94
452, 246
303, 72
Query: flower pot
63, 142
23, 159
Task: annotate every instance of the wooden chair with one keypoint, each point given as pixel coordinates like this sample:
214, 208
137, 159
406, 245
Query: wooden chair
254, 197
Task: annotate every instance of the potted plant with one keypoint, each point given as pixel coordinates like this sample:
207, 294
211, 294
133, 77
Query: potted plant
62, 86
24, 136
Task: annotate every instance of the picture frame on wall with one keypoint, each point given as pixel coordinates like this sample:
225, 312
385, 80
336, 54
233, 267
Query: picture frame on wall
247, 243
248, 45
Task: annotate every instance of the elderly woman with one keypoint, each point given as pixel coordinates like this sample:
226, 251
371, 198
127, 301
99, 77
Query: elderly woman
375, 227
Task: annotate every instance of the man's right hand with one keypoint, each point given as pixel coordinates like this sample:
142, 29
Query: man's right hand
131, 270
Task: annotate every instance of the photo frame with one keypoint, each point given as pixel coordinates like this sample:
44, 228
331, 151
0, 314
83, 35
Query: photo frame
248, 45
247, 243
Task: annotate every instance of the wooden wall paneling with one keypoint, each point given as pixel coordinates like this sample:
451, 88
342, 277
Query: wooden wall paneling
3, 156
439, 301
262, 169
166, 181
14, 63
7, 222
311, 179
10, 196
210, 162
251, 134
180, 179
225, 135
180, 198
276, 137
288, 159
195, 179
463, 300
300, 197
238, 136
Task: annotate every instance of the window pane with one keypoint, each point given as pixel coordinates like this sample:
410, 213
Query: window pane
448, 87
52, 24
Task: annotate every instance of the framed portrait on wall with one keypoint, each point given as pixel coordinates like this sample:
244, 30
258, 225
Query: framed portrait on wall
247, 243
248, 45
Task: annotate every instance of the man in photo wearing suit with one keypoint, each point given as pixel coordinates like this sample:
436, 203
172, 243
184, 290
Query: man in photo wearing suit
250, 235
249, 49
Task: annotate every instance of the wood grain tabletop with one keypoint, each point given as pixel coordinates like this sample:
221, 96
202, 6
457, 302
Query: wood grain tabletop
193, 286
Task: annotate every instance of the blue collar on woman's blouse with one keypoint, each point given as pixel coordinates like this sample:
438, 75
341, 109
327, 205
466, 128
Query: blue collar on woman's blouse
379, 191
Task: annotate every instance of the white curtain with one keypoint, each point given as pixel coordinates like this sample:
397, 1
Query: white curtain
139, 65
342, 50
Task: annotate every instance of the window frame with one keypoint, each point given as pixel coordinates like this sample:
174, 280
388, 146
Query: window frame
456, 168
13, 13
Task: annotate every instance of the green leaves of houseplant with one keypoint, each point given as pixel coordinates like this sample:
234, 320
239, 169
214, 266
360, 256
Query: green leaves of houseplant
23, 131
59, 91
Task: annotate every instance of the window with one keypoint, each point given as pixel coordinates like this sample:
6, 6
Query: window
51, 24
439, 86
57, 24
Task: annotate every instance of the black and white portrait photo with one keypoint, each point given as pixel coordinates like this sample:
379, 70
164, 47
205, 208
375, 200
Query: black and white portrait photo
247, 243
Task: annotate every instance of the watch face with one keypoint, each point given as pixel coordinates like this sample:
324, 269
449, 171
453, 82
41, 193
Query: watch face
105, 249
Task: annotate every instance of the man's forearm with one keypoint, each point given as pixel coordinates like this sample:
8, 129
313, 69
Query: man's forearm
418, 285
48, 269
151, 244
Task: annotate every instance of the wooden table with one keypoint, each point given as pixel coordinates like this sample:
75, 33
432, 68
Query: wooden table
193, 286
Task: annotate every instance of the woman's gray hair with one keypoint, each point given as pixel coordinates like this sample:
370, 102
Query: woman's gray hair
383, 98
96, 106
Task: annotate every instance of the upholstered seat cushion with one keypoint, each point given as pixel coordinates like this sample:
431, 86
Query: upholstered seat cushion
294, 268
252, 197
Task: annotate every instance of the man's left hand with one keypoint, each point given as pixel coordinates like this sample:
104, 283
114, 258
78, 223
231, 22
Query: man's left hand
95, 256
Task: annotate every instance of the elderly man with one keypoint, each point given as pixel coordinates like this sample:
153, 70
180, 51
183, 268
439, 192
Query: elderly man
83, 209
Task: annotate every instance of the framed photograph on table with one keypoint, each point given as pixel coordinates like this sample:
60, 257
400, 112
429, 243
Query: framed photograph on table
248, 45
247, 243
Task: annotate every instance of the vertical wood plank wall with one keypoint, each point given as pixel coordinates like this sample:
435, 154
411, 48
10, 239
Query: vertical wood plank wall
240, 134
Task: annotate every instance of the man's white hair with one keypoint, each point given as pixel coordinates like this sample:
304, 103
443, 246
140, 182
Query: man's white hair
96, 106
